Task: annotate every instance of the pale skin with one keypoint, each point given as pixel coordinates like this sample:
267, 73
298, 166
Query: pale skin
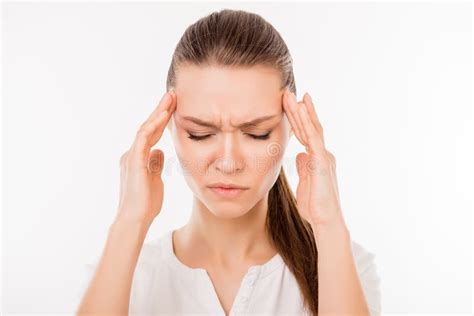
317, 195
229, 155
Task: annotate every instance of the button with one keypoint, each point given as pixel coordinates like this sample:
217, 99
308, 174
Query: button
251, 281
244, 299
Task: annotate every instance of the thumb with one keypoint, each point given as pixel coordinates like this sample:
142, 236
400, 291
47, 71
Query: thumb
302, 164
155, 162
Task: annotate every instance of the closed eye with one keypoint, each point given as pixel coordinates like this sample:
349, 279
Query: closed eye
258, 137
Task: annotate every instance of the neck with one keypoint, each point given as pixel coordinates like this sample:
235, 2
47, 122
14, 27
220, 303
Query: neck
228, 241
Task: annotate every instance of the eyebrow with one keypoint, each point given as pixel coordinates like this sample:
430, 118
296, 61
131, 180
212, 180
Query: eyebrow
251, 123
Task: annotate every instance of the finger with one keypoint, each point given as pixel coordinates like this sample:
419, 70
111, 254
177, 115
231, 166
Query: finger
315, 142
332, 157
312, 113
165, 103
156, 161
171, 109
294, 106
151, 130
123, 159
290, 111
301, 105
289, 115
158, 132
146, 137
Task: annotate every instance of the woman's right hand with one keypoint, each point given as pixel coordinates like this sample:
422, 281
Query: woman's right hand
141, 186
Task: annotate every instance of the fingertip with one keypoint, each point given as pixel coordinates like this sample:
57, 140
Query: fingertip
170, 96
291, 98
174, 96
166, 97
286, 96
287, 90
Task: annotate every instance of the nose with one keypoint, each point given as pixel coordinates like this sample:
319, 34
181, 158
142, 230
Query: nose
229, 159
227, 165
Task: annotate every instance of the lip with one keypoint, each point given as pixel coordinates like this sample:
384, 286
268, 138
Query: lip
226, 186
227, 193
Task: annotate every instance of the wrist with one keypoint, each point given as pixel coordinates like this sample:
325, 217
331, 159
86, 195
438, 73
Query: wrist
331, 233
127, 226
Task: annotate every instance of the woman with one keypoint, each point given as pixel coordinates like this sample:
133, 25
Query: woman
253, 249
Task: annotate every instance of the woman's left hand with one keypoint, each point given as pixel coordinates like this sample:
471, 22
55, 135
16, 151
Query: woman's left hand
317, 193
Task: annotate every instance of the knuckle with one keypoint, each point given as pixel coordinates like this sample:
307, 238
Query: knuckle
326, 164
331, 157
143, 133
123, 158
144, 124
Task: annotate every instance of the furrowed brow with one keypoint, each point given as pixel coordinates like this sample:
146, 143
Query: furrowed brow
251, 123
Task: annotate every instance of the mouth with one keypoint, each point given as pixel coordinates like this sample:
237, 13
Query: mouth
227, 192
226, 185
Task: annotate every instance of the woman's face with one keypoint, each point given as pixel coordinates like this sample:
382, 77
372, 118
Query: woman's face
223, 149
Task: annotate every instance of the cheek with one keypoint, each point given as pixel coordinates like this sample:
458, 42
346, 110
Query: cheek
194, 157
193, 163
185, 147
266, 159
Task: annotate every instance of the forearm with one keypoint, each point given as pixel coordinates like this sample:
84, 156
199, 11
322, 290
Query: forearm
340, 291
109, 290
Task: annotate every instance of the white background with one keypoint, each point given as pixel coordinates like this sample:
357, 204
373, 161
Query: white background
392, 86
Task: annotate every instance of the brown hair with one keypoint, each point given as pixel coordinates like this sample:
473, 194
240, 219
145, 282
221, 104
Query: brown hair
243, 39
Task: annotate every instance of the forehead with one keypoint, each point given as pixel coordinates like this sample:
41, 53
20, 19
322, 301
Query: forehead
234, 91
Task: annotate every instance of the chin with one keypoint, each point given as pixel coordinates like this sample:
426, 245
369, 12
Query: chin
227, 209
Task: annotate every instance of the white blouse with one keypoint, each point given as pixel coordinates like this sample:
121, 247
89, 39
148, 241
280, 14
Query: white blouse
164, 285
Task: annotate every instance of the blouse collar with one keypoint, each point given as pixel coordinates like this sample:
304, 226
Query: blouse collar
262, 270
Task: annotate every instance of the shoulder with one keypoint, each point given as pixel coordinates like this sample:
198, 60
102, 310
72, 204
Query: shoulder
152, 264
364, 258
154, 250
369, 276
